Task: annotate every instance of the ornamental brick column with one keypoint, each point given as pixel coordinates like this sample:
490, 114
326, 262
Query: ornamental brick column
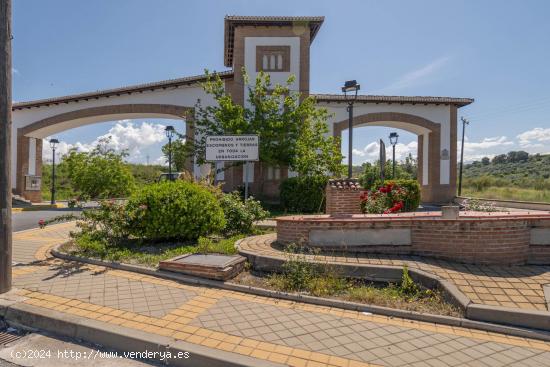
342, 197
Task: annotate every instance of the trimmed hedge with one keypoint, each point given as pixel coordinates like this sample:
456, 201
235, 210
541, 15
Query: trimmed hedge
412, 201
174, 210
304, 194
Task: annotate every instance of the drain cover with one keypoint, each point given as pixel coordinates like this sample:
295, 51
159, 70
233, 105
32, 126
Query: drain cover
213, 266
9, 336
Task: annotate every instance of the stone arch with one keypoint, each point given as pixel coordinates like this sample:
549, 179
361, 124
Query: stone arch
377, 117
429, 145
29, 137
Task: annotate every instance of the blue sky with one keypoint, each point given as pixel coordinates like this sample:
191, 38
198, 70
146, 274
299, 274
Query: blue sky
497, 52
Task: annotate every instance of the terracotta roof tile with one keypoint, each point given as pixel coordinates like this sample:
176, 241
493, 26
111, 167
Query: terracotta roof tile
339, 98
345, 184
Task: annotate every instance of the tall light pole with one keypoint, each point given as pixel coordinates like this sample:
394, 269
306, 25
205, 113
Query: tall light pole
464, 123
393, 142
5, 145
53, 144
352, 88
170, 131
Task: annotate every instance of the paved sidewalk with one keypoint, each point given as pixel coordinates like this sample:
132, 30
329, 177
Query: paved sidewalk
507, 286
289, 333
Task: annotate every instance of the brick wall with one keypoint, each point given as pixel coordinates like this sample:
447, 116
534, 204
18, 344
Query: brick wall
473, 241
343, 197
540, 253
470, 239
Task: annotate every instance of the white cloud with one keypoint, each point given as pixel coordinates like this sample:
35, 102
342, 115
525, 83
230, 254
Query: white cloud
488, 147
14, 71
371, 152
416, 77
535, 138
125, 135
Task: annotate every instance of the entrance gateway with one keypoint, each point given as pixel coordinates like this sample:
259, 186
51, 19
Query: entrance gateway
276, 45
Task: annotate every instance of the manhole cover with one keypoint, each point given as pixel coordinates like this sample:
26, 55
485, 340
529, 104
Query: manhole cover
9, 336
212, 266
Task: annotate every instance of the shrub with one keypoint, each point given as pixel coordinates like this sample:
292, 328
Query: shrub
411, 201
240, 215
304, 194
174, 210
387, 199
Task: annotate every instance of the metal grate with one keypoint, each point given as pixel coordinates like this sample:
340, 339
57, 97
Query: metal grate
7, 337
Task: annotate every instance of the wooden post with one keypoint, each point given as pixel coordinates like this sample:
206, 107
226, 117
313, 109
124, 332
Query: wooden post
5, 145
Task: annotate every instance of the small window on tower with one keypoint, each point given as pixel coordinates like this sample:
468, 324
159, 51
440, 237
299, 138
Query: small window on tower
273, 58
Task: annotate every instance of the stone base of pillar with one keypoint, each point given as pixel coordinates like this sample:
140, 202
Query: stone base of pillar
438, 194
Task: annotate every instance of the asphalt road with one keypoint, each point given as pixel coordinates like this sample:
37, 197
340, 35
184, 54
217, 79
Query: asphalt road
28, 220
49, 351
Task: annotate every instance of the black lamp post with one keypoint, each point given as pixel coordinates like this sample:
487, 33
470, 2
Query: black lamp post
53, 144
350, 87
393, 142
464, 123
169, 130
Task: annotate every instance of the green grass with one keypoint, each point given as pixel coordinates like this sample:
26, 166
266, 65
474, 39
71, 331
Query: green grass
508, 193
138, 253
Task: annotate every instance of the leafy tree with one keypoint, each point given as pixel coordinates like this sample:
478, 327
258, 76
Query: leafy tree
292, 130
371, 173
179, 153
499, 159
485, 161
101, 173
519, 156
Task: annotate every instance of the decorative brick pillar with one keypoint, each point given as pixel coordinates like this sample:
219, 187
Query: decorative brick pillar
343, 197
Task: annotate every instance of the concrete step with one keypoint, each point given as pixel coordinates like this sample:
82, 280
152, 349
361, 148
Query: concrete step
18, 201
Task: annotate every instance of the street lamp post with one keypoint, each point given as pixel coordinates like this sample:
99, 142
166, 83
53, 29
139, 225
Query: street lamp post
464, 123
170, 131
393, 142
53, 144
352, 88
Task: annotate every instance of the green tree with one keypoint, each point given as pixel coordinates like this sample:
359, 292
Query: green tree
291, 128
101, 173
371, 172
179, 153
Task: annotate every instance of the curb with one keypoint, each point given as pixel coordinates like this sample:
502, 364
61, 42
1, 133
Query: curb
352, 306
36, 208
532, 319
122, 338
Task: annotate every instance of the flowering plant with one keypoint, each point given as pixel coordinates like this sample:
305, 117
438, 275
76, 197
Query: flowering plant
387, 199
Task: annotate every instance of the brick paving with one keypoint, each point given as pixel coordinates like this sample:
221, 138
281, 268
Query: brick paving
508, 286
290, 333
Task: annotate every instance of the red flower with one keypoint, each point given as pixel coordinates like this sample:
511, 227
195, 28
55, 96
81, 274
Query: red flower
42, 223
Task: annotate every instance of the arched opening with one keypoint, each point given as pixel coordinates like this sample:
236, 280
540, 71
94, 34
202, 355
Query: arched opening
28, 168
436, 167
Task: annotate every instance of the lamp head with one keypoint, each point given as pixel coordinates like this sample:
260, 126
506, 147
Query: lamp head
53, 143
170, 131
393, 138
351, 86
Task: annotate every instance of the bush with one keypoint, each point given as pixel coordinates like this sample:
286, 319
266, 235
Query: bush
240, 215
412, 200
304, 194
392, 197
174, 210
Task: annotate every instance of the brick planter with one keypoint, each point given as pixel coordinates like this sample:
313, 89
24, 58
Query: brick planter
477, 238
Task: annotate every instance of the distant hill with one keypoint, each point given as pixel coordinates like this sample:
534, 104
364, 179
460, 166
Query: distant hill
518, 168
